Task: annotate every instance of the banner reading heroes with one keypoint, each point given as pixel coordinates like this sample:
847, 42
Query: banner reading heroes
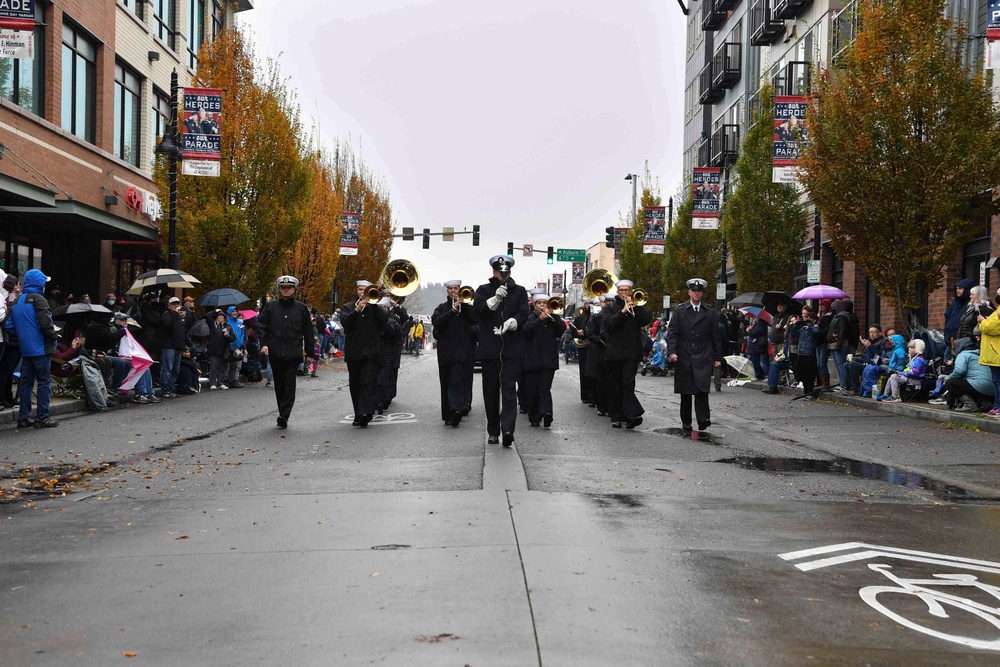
349, 230
790, 136
654, 229
202, 120
705, 192
578, 273
557, 283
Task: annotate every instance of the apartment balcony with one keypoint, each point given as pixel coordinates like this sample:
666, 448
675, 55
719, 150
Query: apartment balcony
765, 29
705, 153
725, 145
789, 9
846, 24
797, 77
753, 106
709, 93
726, 65
725, 5
711, 18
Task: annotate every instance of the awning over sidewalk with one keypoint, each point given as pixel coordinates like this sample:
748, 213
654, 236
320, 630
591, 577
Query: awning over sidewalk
80, 217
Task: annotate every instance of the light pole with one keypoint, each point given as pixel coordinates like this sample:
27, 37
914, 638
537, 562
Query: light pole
168, 146
635, 179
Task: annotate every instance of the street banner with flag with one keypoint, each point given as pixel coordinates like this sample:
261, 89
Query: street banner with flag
350, 228
129, 348
557, 283
542, 286
705, 196
17, 15
790, 136
578, 271
654, 229
201, 126
993, 21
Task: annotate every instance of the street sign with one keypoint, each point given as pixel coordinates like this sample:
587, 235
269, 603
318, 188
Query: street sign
812, 271
527, 250
570, 255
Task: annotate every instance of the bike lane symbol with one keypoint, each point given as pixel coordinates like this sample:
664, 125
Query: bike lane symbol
939, 593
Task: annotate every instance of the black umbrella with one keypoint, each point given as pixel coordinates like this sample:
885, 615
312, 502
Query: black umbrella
772, 299
222, 297
86, 311
748, 299
199, 329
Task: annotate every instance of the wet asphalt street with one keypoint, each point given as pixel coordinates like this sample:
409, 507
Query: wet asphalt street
199, 534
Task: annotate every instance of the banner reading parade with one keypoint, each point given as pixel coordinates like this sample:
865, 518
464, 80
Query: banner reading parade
17, 26
654, 229
201, 125
993, 21
350, 227
578, 272
790, 137
705, 185
557, 283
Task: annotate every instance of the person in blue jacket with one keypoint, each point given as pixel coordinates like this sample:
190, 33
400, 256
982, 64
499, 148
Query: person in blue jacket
237, 345
31, 322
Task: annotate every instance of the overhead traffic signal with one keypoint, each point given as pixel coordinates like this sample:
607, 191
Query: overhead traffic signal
407, 233
609, 237
510, 248
427, 238
550, 257
475, 234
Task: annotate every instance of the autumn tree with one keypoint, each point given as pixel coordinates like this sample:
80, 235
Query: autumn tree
645, 270
763, 222
905, 148
237, 230
315, 256
690, 253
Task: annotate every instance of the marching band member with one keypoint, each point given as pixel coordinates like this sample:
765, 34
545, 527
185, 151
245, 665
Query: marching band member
456, 353
541, 359
501, 306
596, 372
580, 331
392, 341
623, 329
694, 344
363, 326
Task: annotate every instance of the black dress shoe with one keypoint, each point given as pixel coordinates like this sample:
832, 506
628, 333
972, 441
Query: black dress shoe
357, 421
465, 412
616, 424
380, 410
593, 405
363, 421
282, 422
535, 424
686, 428
493, 440
547, 420
704, 425
456, 418
508, 439
632, 423
770, 390
523, 411
602, 413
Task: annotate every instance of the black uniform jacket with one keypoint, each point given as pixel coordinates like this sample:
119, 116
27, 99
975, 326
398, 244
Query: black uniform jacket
453, 333
285, 328
392, 340
596, 347
623, 331
363, 331
542, 342
511, 344
580, 322
697, 342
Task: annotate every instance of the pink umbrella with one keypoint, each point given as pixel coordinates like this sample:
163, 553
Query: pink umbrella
757, 312
129, 348
820, 292
248, 314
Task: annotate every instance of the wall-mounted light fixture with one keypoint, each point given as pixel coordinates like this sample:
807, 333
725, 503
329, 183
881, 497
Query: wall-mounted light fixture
110, 200
154, 56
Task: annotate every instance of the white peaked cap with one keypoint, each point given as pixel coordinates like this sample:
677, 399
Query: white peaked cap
540, 297
364, 283
453, 283
623, 283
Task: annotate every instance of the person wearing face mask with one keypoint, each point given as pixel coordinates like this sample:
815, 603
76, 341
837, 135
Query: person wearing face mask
111, 302
989, 351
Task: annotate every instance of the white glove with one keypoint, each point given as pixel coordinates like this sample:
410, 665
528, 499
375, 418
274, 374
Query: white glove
509, 325
497, 331
502, 292
494, 302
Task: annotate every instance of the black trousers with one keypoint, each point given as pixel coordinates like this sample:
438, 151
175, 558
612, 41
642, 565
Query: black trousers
362, 379
283, 372
500, 380
586, 386
538, 387
8, 362
456, 387
958, 387
700, 407
806, 372
621, 400
600, 387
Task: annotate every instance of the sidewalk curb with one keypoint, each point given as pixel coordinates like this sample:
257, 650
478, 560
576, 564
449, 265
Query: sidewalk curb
56, 408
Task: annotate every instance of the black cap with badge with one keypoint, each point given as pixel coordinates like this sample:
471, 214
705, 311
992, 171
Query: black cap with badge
502, 263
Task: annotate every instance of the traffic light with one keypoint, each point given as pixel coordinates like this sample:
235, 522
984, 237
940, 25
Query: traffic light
609, 237
407, 233
510, 248
427, 238
550, 257
475, 234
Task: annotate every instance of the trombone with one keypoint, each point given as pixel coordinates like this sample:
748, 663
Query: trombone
401, 278
598, 282
639, 297
556, 305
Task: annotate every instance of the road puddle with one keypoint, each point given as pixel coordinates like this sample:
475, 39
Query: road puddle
698, 436
853, 468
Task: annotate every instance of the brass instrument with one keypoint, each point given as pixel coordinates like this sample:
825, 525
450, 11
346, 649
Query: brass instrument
401, 278
373, 294
598, 282
466, 294
556, 305
638, 297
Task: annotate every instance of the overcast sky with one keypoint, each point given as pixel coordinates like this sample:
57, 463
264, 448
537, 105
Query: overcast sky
522, 116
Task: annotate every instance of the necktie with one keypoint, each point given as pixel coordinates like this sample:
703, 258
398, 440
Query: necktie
696, 309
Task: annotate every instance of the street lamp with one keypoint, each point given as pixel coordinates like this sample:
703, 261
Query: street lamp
168, 146
635, 179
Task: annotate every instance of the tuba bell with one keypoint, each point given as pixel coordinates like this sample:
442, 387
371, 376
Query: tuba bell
639, 297
598, 282
466, 294
556, 305
400, 277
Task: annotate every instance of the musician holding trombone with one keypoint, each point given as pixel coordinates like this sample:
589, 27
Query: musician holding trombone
541, 359
364, 323
623, 330
453, 321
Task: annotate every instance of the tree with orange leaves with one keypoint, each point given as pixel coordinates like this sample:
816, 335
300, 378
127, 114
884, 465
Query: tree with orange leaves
315, 257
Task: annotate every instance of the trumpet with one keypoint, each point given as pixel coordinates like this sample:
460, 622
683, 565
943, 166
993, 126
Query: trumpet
598, 282
556, 305
466, 294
